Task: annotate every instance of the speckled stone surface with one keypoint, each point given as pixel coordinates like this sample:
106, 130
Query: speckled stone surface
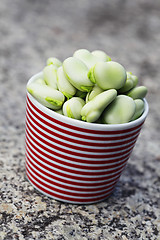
30, 32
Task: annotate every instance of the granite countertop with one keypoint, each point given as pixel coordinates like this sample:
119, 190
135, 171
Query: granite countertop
30, 32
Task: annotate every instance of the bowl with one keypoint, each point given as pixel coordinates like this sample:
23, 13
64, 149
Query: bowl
74, 161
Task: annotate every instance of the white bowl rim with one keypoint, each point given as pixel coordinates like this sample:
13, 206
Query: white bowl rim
82, 124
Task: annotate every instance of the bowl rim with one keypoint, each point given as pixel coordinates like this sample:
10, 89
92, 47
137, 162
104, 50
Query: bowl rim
82, 124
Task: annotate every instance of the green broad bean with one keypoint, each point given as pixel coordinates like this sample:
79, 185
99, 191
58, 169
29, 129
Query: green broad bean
133, 78
54, 61
130, 83
94, 108
127, 86
76, 72
64, 85
91, 75
108, 75
139, 108
80, 94
46, 95
101, 55
137, 92
60, 111
85, 87
86, 57
50, 76
95, 91
40, 81
121, 110
72, 107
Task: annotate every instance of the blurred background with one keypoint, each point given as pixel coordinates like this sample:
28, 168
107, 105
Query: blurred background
33, 30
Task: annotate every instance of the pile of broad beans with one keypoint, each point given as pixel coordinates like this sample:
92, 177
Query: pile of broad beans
89, 86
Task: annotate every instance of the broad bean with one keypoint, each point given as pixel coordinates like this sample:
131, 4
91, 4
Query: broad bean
64, 85
108, 75
80, 94
76, 72
91, 87
137, 92
50, 76
86, 57
139, 108
46, 95
95, 91
94, 108
40, 81
54, 61
101, 55
72, 107
121, 110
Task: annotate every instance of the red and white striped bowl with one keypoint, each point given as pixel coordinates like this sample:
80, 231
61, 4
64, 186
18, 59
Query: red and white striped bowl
75, 161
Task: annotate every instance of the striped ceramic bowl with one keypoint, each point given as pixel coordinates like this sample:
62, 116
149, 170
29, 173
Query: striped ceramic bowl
75, 161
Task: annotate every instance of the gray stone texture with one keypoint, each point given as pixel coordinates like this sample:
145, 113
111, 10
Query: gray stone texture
30, 32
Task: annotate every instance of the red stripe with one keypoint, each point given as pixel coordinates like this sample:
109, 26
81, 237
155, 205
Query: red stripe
62, 185
68, 181
68, 175
68, 164
75, 171
79, 141
51, 151
77, 134
64, 198
71, 152
70, 194
53, 158
62, 144
78, 128
69, 132
78, 194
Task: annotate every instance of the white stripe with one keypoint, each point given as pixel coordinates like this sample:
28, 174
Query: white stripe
68, 190
75, 157
65, 195
69, 179
73, 168
69, 173
77, 131
72, 149
79, 139
72, 161
67, 201
77, 163
67, 184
